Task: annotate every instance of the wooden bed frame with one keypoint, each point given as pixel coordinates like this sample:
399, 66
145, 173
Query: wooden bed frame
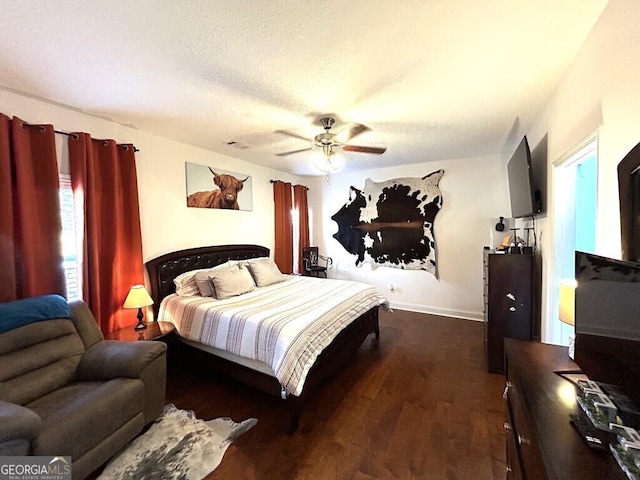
162, 270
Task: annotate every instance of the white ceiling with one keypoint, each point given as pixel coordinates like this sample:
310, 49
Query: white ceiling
432, 79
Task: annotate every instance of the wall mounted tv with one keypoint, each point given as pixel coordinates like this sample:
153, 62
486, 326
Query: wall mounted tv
525, 198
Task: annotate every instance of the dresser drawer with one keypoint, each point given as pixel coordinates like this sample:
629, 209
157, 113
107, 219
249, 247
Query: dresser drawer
514, 468
524, 440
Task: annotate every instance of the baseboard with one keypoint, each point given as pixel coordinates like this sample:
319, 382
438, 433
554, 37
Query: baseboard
445, 312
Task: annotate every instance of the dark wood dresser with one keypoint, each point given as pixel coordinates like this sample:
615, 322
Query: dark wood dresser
541, 443
511, 302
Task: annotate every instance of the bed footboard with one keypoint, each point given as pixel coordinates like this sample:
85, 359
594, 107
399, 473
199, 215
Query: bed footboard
328, 364
337, 353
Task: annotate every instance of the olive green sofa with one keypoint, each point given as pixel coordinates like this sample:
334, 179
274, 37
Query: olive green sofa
65, 391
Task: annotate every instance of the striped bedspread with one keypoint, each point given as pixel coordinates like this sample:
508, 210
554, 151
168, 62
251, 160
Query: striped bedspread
285, 325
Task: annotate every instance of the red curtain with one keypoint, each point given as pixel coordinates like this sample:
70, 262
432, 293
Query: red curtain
302, 206
30, 226
104, 181
283, 255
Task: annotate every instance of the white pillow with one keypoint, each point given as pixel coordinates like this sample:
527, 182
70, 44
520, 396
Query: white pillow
186, 284
205, 287
258, 259
265, 272
247, 261
230, 282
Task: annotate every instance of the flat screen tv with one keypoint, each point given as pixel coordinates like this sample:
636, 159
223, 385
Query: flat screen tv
524, 200
607, 321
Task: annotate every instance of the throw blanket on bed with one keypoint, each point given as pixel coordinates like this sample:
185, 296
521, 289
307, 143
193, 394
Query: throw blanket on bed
285, 325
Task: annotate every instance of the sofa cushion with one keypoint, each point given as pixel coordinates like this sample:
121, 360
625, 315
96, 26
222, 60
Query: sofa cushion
37, 359
74, 419
85, 323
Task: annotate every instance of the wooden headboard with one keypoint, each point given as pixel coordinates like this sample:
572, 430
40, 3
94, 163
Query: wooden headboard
163, 269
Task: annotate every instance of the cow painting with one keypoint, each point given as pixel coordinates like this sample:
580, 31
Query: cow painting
225, 196
391, 223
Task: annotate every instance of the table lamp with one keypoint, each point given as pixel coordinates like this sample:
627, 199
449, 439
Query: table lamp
567, 309
138, 297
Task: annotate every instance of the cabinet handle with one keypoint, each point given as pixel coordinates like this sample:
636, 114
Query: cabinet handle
507, 386
508, 469
507, 426
523, 440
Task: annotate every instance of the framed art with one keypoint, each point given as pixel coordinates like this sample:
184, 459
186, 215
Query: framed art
209, 187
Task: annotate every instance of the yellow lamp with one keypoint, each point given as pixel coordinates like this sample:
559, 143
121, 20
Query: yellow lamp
138, 297
567, 309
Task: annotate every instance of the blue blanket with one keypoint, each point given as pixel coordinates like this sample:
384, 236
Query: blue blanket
29, 310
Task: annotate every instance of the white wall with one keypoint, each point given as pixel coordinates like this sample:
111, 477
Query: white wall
474, 190
166, 222
598, 92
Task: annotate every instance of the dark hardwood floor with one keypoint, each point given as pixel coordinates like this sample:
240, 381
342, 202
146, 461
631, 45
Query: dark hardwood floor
420, 405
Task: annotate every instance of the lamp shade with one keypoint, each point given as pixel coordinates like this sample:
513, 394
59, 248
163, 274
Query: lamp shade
138, 297
567, 304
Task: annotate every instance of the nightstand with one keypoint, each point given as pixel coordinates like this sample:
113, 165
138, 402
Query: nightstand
154, 331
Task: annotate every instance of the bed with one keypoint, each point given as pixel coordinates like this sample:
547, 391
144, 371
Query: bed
350, 324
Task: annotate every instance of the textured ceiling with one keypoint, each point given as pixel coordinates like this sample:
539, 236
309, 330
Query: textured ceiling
432, 79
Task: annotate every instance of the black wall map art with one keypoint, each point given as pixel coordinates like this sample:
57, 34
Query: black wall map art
391, 223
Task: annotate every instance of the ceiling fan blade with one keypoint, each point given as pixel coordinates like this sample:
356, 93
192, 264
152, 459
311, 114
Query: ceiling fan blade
349, 131
283, 154
292, 134
360, 149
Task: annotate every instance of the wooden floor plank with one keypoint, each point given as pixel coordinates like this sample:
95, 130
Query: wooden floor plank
418, 405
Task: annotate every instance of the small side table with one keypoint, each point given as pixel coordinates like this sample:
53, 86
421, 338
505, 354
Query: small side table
154, 331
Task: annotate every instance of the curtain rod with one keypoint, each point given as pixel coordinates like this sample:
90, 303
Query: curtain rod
276, 181
68, 134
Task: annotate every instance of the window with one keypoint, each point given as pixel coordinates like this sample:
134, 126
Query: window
72, 227
295, 224
71, 247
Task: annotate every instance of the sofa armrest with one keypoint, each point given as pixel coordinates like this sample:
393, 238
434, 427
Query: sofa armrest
110, 359
18, 425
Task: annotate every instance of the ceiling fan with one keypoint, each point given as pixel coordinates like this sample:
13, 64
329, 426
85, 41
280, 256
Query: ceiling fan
331, 143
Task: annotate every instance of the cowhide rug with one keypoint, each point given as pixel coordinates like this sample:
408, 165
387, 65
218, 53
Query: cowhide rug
176, 446
391, 223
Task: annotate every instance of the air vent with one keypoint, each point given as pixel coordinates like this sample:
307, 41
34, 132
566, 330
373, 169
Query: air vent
233, 143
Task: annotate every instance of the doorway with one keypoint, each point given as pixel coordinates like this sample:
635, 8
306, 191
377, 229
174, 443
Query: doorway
575, 205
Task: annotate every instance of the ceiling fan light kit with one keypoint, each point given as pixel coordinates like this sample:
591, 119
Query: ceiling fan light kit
328, 163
